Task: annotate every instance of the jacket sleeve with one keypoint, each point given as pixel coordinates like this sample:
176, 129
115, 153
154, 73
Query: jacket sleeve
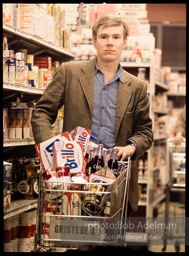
46, 109
142, 129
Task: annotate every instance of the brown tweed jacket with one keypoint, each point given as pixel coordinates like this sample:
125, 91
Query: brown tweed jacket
73, 87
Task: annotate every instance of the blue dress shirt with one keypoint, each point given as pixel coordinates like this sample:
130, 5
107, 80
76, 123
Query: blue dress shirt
104, 111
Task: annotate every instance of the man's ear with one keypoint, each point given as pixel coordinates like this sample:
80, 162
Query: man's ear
93, 41
125, 43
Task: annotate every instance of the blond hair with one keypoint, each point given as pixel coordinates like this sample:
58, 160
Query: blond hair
108, 20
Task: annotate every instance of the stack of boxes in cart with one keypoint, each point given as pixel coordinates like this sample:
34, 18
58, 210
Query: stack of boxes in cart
73, 150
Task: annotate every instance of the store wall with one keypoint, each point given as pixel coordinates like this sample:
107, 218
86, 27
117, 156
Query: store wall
173, 13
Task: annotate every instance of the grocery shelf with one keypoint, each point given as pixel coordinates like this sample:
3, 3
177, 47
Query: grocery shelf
160, 137
140, 181
20, 206
35, 44
161, 111
178, 185
18, 142
178, 189
136, 64
176, 94
22, 88
179, 172
142, 203
161, 85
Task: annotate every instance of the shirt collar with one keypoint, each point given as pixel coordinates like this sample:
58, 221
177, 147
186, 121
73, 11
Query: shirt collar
119, 75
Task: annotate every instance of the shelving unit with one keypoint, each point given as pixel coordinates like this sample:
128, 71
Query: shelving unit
176, 102
14, 148
170, 94
157, 183
144, 207
144, 183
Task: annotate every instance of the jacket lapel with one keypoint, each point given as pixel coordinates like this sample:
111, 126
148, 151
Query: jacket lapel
124, 95
87, 83
124, 92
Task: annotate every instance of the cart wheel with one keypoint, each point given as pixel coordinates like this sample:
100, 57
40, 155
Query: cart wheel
177, 246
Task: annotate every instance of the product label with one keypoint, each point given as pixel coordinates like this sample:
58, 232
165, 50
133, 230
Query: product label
72, 156
45, 150
23, 187
83, 139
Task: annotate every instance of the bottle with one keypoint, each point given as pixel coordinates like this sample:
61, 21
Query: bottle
98, 162
22, 183
14, 191
91, 202
141, 73
106, 212
36, 179
90, 161
113, 162
140, 170
30, 171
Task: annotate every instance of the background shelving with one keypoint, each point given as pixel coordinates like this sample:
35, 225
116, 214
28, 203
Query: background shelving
19, 39
24, 148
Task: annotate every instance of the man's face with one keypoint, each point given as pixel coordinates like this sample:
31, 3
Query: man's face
109, 42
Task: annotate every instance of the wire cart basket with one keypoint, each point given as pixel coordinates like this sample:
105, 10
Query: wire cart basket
175, 212
70, 215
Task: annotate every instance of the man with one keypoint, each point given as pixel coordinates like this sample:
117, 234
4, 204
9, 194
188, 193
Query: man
99, 95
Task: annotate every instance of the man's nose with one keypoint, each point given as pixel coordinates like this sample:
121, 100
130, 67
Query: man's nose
109, 40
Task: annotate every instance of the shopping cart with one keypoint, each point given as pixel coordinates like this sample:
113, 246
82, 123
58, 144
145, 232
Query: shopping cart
70, 215
175, 211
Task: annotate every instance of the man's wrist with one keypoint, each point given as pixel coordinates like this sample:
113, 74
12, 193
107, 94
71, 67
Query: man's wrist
132, 144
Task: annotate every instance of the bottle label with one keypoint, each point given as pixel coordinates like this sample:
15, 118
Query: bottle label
23, 187
36, 187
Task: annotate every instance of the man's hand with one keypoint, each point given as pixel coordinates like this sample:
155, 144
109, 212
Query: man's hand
178, 139
124, 152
